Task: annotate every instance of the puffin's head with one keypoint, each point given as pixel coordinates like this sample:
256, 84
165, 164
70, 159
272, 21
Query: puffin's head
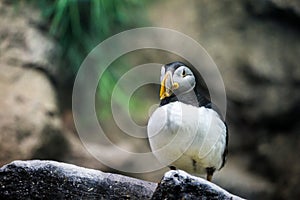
176, 78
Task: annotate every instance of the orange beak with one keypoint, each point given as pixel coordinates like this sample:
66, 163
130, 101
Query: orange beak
167, 85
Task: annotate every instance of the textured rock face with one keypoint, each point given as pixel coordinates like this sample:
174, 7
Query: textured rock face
53, 180
22, 42
29, 117
178, 184
293, 5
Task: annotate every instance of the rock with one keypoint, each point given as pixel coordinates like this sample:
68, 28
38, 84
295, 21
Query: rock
29, 117
283, 162
23, 43
53, 180
236, 178
30, 124
177, 184
30, 96
288, 4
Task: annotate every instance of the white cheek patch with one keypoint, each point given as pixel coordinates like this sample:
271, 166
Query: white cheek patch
178, 71
162, 73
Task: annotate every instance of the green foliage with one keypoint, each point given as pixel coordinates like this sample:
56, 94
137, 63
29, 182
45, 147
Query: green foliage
80, 25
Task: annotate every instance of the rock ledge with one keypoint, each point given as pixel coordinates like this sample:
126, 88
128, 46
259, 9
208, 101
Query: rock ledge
38, 179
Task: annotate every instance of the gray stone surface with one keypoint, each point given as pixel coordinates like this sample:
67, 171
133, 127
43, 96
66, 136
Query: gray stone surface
177, 184
38, 179
53, 180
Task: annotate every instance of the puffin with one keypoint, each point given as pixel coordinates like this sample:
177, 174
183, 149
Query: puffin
187, 131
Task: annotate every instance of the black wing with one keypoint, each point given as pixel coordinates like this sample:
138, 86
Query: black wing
226, 147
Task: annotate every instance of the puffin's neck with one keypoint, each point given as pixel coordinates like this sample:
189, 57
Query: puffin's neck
193, 97
189, 98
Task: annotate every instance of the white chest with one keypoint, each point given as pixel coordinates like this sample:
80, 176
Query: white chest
182, 134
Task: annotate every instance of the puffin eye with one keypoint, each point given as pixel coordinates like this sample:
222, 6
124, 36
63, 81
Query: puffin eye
183, 73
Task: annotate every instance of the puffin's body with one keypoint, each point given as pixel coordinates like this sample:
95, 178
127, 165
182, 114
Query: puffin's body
185, 132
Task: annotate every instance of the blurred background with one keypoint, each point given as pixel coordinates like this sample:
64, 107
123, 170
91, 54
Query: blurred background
255, 44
